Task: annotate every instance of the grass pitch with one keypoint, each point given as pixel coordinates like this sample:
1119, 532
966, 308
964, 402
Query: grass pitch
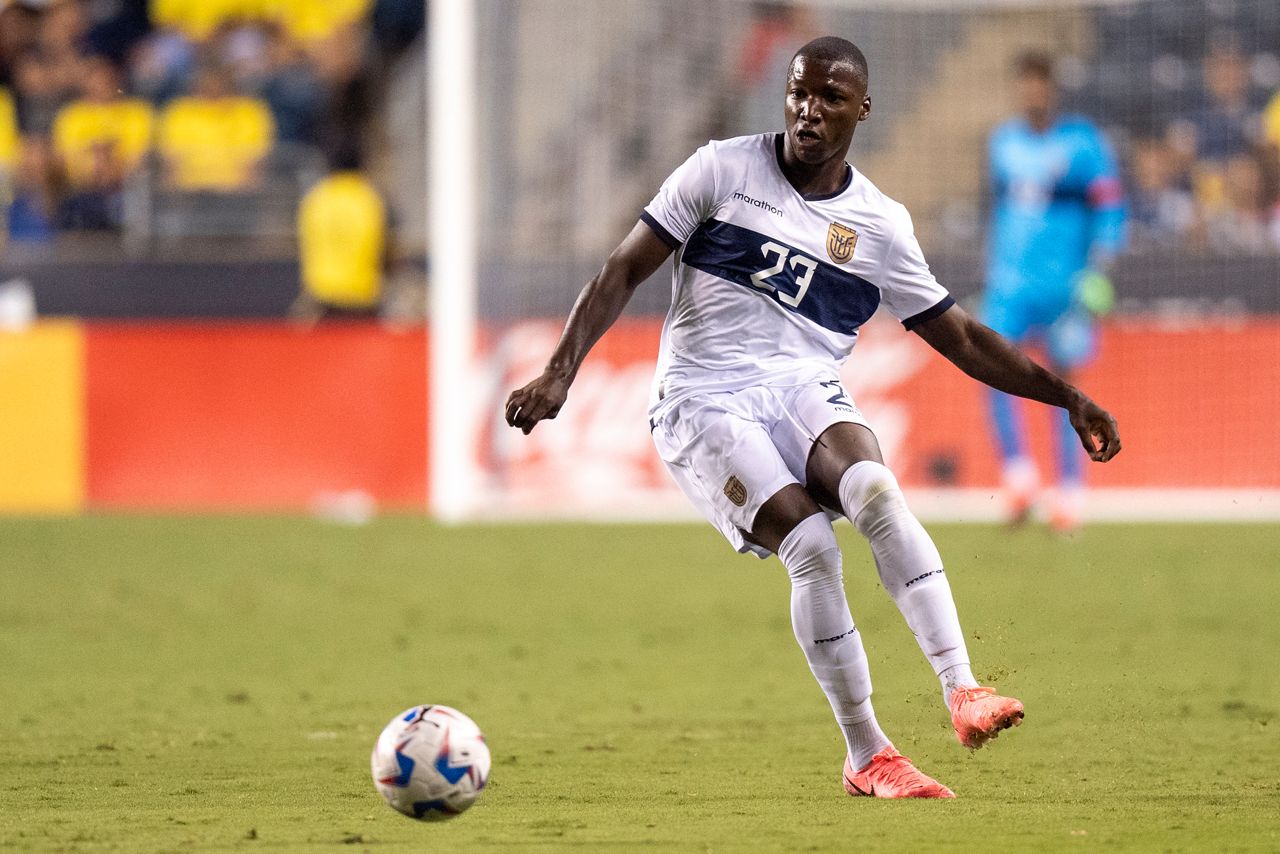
217, 684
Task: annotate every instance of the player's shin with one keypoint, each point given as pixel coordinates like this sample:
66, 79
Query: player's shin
910, 568
825, 631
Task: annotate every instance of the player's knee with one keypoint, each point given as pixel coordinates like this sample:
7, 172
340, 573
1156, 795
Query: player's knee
871, 496
810, 551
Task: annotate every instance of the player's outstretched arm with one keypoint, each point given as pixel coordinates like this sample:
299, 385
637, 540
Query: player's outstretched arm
597, 307
984, 355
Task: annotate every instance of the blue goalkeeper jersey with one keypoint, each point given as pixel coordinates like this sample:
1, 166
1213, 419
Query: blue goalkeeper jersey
1057, 198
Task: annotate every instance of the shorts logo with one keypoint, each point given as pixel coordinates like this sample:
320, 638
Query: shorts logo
840, 242
735, 491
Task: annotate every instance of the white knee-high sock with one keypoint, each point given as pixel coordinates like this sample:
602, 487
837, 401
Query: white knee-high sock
910, 568
825, 631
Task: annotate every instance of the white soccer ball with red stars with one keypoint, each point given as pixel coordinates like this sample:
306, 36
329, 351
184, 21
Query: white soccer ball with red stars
430, 763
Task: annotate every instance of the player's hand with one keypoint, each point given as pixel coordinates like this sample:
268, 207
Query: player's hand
1096, 428
539, 400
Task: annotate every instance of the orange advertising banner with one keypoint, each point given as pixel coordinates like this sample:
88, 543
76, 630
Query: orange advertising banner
273, 417
254, 416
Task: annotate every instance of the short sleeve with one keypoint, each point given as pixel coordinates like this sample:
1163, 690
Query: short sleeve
685, 200
907, 287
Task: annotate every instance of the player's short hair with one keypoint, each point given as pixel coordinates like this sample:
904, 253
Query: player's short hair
833, 49
1034, 63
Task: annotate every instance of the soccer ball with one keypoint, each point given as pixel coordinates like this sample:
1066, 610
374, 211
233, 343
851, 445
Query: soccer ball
430, 762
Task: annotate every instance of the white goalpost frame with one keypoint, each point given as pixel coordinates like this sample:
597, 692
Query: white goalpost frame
451, 242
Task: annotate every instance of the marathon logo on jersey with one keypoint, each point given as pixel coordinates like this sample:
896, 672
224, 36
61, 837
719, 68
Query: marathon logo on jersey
735, 491
840, 242
757, 203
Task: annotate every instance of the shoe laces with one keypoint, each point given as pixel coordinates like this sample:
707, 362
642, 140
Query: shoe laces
964, 696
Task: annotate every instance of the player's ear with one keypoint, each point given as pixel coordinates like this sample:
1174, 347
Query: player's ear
866, 108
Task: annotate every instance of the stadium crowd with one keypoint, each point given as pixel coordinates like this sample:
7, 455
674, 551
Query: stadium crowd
1210, 179
205, 92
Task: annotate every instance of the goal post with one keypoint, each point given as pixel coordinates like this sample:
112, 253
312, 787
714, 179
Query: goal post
452, 194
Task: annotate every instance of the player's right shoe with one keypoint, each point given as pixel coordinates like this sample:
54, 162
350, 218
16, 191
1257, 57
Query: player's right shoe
1021, 483
978, 714
889, 774
1067, 515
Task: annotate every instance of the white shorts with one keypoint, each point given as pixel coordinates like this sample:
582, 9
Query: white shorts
730, 452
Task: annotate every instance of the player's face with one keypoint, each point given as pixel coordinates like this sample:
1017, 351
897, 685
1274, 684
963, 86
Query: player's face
825, 102
1036, 97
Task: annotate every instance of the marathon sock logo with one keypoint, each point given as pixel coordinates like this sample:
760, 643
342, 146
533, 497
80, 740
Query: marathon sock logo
836, 638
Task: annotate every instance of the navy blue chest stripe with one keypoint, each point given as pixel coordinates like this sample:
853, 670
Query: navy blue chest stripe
836, 299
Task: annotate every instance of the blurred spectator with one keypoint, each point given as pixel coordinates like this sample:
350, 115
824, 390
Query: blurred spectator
61, 42
292, 90
1163, 210
100, 138
33, 209
226, 80
1242, 223
102, 119
18, 28
215, 139
9, 141
242, 48
339, 63
343, 241
39, 94
1226, 126
161, 65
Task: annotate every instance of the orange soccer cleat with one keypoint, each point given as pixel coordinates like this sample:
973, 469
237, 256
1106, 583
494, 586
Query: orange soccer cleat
1021, 484
978, 714
889, 774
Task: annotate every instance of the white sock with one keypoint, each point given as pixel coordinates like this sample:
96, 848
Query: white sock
956, 676
862, 735
909, 565
825, 631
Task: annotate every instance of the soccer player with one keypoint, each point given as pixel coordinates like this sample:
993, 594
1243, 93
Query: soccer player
783, 252
1057, 222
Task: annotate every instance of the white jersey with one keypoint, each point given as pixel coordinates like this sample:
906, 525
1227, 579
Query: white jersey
770, 286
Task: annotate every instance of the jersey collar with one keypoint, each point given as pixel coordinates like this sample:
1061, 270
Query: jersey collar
809, 197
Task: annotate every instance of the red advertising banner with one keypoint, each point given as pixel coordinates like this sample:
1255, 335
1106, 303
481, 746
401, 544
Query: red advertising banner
254, 416
267, 416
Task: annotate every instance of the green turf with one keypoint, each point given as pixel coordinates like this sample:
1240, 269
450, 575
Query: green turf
210, 684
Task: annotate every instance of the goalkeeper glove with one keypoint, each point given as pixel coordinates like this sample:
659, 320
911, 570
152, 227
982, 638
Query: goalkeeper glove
1095, 293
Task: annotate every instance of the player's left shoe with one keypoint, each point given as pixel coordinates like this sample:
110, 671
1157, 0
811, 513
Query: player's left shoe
889, 774
978, 714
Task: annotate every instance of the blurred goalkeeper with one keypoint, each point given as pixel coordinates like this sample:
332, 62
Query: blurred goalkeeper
783, 251
1057, 223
